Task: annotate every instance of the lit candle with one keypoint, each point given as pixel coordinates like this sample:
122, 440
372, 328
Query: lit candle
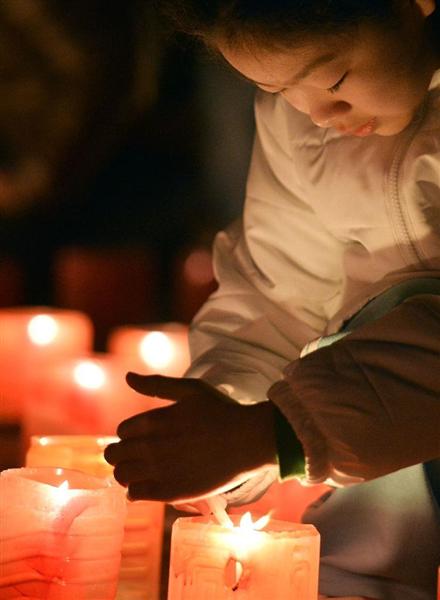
32, 338
286, 500
210, 561
84, 395
60, 534
139, 576
161, 349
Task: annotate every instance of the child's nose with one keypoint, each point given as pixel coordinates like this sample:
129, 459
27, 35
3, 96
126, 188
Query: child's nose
323, 111
326, 114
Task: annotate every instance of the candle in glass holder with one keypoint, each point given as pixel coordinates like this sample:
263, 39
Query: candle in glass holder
161, 349
31, 339
60, 534
84, 395
139, 577
243, 563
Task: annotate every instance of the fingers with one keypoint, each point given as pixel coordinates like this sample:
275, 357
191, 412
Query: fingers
131, 472
133, 449
146, 490
150, 423
170, 388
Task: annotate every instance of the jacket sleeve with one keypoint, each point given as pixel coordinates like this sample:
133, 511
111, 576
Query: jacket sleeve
369, 404
277, 270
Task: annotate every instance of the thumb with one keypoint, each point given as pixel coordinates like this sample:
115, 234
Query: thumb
169, 388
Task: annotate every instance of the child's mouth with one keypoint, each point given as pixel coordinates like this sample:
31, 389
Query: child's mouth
364, 130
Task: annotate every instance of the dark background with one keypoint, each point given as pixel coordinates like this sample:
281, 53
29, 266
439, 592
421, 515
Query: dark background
122, 148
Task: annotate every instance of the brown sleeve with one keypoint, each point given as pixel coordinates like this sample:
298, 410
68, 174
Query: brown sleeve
369, 404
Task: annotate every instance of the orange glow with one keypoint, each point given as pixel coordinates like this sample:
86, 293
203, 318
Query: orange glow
157, 350
61, 493
89, 375
42, 330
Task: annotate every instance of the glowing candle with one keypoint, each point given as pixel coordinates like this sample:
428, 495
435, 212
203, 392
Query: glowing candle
285, 500
84, 395
60, 534
31, 339
209, 561
159, 349
139, 576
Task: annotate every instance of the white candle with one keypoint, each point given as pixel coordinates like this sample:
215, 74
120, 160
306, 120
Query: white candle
60, 534
139, 576
240, 563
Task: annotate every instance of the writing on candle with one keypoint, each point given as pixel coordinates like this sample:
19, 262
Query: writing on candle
156, 350
89, 375
42, 330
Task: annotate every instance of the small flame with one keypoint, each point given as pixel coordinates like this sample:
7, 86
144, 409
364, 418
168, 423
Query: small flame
246, 536
247, 524
42, 330
62, 493
156, 350
89, 375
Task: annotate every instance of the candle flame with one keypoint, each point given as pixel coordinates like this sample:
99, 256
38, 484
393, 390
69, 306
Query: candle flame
247, 524
62, 493
89, 375
246, 536
156, 350
42, 330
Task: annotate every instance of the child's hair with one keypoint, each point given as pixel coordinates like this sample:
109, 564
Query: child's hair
274, 23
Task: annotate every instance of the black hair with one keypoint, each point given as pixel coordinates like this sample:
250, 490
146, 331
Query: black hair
274, 23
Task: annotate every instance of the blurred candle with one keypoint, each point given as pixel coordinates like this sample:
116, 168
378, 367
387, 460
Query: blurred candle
144, 525
159, 349
193, 281
31, 339
86, 395
209, 561
60, 534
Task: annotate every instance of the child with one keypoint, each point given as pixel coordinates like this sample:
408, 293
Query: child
342, 212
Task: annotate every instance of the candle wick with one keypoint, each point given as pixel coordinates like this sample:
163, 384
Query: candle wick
217, 507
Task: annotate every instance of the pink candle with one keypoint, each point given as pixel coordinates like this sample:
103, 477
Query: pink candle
86, 395
31, 339
159, 349
139, 575
210, 561
60, 535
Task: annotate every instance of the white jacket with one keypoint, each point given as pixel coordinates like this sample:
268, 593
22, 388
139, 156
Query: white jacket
329, 222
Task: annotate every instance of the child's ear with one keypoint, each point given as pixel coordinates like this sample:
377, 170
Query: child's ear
426, 7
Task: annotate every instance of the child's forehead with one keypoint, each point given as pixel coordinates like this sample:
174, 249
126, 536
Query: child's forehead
297, 61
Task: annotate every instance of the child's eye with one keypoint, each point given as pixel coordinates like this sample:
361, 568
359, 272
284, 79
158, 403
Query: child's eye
338, 84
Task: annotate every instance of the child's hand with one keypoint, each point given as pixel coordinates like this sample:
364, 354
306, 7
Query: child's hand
204, 443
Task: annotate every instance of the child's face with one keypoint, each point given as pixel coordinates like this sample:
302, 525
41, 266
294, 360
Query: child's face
373, 83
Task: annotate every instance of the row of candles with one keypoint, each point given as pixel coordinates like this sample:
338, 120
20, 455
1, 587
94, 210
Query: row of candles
66, 528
